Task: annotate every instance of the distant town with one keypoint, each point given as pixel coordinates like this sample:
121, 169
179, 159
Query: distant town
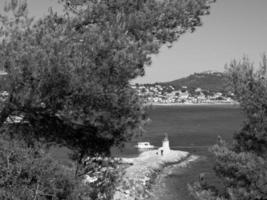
210, 90
168, 94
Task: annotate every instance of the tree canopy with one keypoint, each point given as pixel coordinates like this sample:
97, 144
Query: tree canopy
69, 74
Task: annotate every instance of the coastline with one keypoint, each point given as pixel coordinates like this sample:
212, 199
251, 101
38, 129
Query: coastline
139, 177
192, 104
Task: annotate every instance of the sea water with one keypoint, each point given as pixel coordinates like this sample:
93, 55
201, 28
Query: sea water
190, 128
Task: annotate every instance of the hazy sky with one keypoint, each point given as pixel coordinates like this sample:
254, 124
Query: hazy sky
233, 29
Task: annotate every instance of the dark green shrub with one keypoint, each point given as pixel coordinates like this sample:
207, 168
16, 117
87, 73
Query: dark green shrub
29, 173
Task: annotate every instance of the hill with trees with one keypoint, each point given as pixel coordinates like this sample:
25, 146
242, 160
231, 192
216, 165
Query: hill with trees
211, 81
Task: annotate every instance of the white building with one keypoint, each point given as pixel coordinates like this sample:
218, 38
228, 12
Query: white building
165, 149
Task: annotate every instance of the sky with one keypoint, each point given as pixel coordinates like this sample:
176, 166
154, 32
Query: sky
235, 28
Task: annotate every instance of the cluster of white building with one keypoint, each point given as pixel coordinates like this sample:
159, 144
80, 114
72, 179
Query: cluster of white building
168, 94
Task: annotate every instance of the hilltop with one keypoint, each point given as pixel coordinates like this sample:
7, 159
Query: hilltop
211, 81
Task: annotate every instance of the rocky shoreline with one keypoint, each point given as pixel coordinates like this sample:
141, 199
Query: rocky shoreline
142, 172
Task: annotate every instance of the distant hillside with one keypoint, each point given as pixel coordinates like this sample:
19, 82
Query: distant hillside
212, 81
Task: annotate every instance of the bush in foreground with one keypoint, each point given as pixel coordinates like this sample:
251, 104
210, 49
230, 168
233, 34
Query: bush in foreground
29, 173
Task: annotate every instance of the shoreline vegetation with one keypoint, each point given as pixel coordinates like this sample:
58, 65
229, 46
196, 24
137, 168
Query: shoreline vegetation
143, 170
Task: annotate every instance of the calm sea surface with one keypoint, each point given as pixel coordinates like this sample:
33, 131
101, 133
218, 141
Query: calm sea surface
193, 129
189, 126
